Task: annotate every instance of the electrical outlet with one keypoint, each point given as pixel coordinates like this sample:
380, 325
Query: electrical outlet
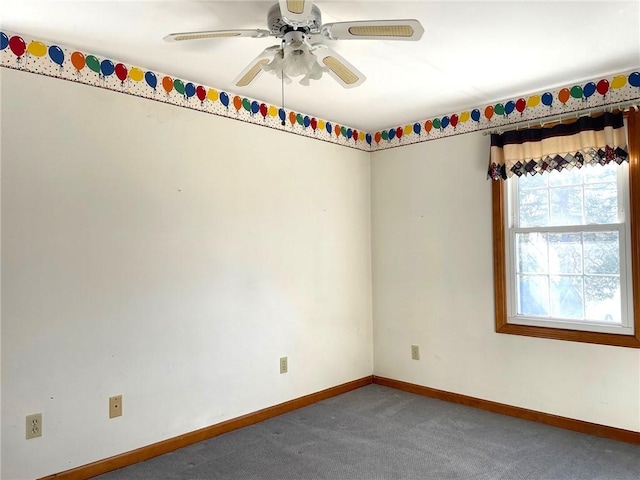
415, 352
115, 406
34, 425
284, 365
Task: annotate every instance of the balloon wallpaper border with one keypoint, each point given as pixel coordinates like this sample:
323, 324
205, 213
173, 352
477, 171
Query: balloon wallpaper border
23, 53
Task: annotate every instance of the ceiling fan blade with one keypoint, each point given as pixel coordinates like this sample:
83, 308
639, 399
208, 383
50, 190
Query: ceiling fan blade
296, 12
340, 69
254, 33
409, 29
254, 69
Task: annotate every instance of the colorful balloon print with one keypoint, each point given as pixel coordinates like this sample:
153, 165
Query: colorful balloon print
589, 89
533, 101
37, 49
428, 125
121, 72
189, 89
282, 115
179, 86
151, 79
167, 84
564, 95
94, 64
603, 87
17, 46
107, 67
135, 74
201, 93
224, 99
212, 95
488, 112
619, 81
56, 55
78, 61
4, 41
509, 107
576, 91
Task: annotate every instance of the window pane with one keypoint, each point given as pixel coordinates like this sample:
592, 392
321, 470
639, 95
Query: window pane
601, 253
566, 206
533, 207
566, 297
601, 203
531, 252
527, 182
565, 253
533, 295
565, 177
602, 300
600, 173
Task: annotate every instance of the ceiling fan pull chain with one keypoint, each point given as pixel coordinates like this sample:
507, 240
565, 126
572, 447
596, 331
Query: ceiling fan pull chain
282, 83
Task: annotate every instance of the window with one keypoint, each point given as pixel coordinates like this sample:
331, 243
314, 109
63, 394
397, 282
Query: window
567, 252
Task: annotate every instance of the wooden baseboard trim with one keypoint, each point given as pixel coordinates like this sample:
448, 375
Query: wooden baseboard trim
613, 433
145, 453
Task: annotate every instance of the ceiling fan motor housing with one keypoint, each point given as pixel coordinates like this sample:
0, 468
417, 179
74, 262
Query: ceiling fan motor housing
279, 26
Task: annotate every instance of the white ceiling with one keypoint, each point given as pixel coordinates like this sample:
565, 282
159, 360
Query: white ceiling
472, 53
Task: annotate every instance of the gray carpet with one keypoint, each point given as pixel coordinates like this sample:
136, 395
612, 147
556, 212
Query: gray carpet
377, 432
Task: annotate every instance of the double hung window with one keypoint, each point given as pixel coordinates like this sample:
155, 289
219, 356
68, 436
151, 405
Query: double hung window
566, 243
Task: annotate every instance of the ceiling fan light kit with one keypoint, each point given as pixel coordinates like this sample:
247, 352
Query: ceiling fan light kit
298, 23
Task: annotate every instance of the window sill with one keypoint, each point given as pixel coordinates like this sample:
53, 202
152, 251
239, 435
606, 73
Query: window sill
613, 339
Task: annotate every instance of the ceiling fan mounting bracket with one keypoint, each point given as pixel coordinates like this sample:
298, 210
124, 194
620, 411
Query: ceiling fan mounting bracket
279, 26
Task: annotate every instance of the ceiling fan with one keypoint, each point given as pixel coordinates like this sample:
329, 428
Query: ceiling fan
298, 24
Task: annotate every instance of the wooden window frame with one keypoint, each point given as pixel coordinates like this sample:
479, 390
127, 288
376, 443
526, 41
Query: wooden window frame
500, 269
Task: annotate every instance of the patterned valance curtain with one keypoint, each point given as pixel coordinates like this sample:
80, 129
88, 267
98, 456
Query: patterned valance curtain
589, 140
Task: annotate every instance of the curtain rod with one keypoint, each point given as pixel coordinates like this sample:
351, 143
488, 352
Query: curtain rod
558, 118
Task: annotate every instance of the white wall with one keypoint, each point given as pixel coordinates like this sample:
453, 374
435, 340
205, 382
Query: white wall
172, 257
433, 286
